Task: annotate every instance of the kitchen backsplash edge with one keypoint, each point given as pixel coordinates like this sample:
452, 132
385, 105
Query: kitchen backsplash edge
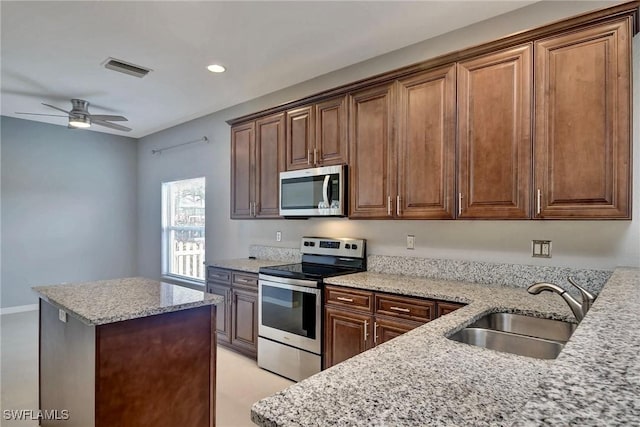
490, 273
514, 275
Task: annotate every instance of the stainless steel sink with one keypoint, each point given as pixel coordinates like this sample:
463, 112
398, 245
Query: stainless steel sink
550, 329
517, 334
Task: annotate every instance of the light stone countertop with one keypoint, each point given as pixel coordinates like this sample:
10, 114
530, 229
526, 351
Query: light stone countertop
423, 378
248, 265
108, 301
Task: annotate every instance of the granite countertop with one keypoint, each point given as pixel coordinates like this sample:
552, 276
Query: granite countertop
423, 378
249, 265
108, 301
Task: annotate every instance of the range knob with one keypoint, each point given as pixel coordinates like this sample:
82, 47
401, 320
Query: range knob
354, 246
306, 243
347, 246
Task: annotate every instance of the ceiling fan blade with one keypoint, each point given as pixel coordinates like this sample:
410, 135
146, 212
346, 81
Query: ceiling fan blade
55, 108
108, 117
110, 125
38, 114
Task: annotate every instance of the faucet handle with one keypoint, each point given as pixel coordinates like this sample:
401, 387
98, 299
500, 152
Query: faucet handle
587, 297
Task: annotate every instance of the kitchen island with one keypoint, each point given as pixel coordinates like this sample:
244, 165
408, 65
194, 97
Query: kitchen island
133, 351
424, 378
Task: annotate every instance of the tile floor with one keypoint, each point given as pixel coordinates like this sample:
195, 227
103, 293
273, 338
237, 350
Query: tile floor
239, 384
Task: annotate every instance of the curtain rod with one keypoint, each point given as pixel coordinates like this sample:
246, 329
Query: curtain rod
160, 150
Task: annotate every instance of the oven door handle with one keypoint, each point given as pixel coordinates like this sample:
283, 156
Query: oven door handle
310, 286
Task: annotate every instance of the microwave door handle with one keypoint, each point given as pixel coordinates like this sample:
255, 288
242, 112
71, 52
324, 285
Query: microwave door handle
325, 190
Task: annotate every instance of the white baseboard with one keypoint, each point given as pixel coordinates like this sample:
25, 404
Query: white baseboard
18, 309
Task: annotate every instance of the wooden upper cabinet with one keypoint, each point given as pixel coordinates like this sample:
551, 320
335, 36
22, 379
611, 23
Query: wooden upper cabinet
257, 157
269, 164
494, 135
317, 135
371, 157
331, 131
242, 170
426, 145
582, 123
300, 138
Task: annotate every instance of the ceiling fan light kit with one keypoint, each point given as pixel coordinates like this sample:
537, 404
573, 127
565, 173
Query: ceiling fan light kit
79, 121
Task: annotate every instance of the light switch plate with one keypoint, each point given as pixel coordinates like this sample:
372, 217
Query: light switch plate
278, 236
62, 315
411, 241
541, 248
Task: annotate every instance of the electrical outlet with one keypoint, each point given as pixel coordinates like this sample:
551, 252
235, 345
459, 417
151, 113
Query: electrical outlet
278, 236
541, 248
62, 315
411, 241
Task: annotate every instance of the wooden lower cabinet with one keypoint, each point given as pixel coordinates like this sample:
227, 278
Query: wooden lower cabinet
237, 317
223, 317
245, 321
346, 334
445, 308
385, 329
357, 320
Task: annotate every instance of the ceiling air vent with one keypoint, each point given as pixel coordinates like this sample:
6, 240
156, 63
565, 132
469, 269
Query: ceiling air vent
126, 67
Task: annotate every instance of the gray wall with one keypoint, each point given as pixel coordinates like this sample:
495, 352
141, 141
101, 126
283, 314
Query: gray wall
68, 207
582, 244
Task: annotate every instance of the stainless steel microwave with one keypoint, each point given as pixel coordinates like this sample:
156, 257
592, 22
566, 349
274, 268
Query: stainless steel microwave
313, 192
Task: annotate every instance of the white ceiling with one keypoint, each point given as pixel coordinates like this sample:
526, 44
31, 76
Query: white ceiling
54, 50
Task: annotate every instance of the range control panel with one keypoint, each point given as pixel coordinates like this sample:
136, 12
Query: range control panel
354, 248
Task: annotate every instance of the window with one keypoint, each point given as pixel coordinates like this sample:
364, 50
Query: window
183, 229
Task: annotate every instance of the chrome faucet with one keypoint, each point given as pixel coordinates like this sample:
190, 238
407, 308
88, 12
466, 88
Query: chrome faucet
579, 309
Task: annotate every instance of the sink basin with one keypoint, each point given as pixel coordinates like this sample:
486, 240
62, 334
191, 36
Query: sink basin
517, 334
549, 329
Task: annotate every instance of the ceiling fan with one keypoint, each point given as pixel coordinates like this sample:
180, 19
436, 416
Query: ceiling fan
79, 116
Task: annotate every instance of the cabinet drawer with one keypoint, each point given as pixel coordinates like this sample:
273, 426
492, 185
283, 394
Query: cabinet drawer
245, 279
419, 310
219, 275
358, 300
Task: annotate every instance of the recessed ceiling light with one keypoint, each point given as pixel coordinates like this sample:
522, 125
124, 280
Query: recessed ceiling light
215, 68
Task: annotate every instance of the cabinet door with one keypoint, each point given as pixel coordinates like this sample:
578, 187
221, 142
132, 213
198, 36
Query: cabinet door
373, 174
269, 163
582, 145
245, 320
387, 329
242, 169
445, 308
426, 145
346, 335
331, 131
494, 134
300, 143
223, 311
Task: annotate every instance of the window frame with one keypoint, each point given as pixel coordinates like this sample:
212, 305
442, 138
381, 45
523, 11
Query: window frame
168, 230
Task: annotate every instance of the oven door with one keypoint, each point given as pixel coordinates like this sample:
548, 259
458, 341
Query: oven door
289, 311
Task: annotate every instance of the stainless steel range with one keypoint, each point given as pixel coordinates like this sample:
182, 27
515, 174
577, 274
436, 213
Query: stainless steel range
290, 304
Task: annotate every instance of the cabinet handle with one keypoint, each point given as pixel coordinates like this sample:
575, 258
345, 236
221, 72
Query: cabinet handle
398, 205
344, 299
389, 205
315, 156
220, 276
459, 204
239, 279
250, 209
308, 157
375, 332
255, 209
401, 309
366, 334
538, 199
